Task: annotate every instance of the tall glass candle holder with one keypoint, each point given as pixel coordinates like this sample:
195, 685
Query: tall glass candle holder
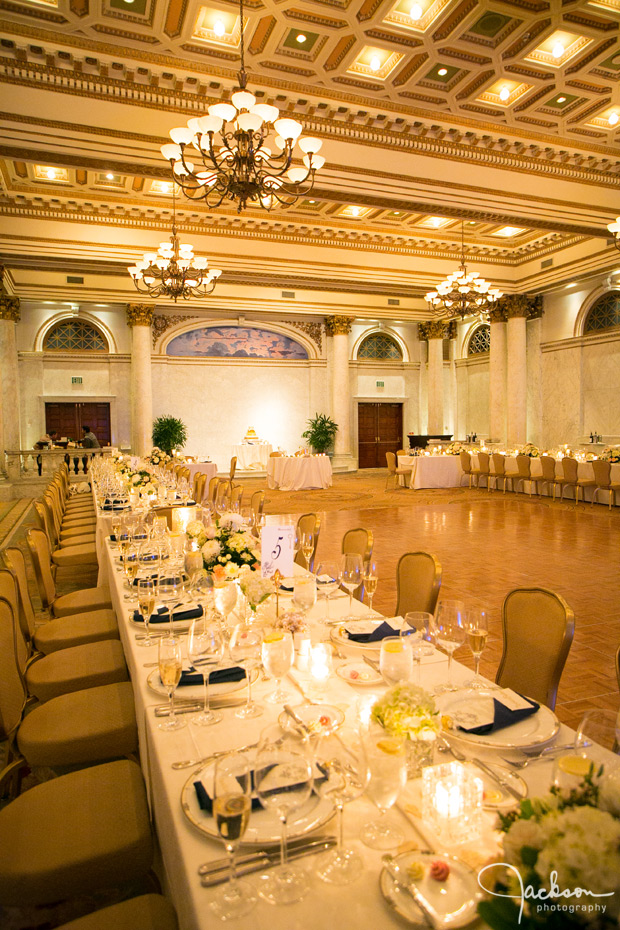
452, 802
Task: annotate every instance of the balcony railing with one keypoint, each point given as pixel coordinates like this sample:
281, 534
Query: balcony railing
34, 463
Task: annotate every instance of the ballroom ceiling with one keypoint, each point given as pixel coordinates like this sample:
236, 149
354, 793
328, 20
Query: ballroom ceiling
503, 115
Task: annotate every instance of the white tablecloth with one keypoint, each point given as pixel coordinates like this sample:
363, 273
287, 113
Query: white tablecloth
291, 473
253, 455
432, 471
205, 468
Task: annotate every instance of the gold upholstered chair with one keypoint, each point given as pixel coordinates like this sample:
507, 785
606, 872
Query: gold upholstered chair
465, 458
80, 601
569, 477
360, 541
257, 504
538, 628
233, 467
603, 482
198, 490
146, 912
482, 469
307, 523
522, 474
394, 472
77, 554
418, 580
499, 471
547, 477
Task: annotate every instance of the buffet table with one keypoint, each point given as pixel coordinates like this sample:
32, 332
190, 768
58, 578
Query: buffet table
292, 473
252, 455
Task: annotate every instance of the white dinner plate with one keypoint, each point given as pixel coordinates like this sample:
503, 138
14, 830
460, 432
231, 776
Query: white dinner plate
196, 692
494, 797
264, 827
338, 634
180, 626
535, 730
359, 674
453, 902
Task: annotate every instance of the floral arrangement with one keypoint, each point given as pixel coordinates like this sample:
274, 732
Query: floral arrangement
157, 456
292, 620
530, 449
225, 545
255, 588
455, 448
610, 454
409, 711
143, 480
567, 842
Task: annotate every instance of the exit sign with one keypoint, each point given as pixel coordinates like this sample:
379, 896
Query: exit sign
380, 383
76, 380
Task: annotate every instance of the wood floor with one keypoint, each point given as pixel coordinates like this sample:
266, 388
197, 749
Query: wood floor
490, 544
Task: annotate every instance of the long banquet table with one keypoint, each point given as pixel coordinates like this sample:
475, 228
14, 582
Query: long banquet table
183, 848
294, 472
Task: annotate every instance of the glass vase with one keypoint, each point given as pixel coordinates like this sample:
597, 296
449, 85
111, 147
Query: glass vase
419, 755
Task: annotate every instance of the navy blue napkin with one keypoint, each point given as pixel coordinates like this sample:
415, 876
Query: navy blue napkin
503, 717
216, 677
163, 615
377, 634
206, 804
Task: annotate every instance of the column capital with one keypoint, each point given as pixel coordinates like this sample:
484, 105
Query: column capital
338, 325
139, 314
437, 329
9, 308
497, 315
520, 305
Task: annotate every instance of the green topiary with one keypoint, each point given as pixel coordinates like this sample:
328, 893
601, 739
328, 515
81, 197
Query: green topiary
321, 432
169, 433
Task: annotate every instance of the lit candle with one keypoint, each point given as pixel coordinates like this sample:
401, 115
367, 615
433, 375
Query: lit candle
452, 801
320, 665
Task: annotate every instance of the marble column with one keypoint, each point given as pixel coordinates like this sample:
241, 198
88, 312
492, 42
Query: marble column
139, 318
9, 379
435, 331
517, 309
497, 376
339, 327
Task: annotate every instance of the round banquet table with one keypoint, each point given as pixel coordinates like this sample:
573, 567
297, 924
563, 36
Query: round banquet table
292, 473
252, 455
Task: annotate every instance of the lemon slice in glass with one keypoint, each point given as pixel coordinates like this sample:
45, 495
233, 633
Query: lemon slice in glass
574, 765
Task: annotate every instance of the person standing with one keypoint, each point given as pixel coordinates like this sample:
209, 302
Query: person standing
89, 440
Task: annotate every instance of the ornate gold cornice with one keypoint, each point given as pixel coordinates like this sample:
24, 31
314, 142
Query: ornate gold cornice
162, 324
139, 314
521, 305
338, 325
437, 329
9, 308
313, 330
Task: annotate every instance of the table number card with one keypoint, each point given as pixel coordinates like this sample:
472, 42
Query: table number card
277, 550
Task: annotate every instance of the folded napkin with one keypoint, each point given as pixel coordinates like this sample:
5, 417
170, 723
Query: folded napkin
504, 716
217, 677
383, 630
205, 801
115, 505
162, 615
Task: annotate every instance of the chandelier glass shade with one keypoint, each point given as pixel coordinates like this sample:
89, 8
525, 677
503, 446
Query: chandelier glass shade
614, 228
224, 156
463, 293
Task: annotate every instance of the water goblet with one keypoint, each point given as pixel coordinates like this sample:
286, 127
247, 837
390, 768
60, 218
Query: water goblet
449, 632
232, 805
170, 668
304, 592
327, 582
245, 650
420, 622
386, 763
205, 649
351, 577
277, 653
477, 626
396, 659
225, 598
371, 579
147, 596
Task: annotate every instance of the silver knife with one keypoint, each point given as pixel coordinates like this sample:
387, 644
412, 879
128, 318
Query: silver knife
189, 707
257, 862
372, 662
498, 779
403, 881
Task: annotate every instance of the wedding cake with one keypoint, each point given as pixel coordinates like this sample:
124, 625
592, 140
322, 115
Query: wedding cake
250, 436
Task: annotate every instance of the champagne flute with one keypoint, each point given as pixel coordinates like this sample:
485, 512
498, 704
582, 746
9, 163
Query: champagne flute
306, 544
386, 763
170, 668
351, 576
131, 564
283, 779
327, 582
371, 580
232, 804
477, 626
147, 593
205, 649
277, 652
449, 632
396, 659
245, 650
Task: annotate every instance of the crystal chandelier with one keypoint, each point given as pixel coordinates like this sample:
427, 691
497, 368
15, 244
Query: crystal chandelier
223, 156
463, 293
615, 229
173, 271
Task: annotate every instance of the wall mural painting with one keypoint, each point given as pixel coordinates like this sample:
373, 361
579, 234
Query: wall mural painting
235, 342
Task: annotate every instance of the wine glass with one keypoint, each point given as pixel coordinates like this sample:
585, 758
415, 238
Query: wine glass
205, 649
449, 632
340, 757
304, 592
477, 626
245, 650
147, 596
327, 582
420, 622
386, 763
351, 576
277, 653
170, 668
371, 580
225, 598
306, 544
232, 804
283, 779
396, 659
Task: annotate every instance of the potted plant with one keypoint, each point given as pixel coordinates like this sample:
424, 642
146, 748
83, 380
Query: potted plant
169, 433
321, 432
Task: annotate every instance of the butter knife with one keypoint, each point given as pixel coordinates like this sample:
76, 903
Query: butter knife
498, 779
215, 874
403, 881
372, 662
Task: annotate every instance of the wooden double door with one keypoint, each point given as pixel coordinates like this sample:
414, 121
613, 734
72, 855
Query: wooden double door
379, 430
69, 418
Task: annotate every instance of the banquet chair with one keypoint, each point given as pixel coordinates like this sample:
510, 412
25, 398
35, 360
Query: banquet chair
465, 458
213, 486
74, 835
538, 631
482, 470
547, 477
569, 477
73, 630
72, 508
602, 481
523, 473
233, 467
146, 912
394, 472
257, 504
77, 503
358, 541
499, 470
200, 480
418, 580
66, 556
86, 599
308, 523
236, 494
67, 528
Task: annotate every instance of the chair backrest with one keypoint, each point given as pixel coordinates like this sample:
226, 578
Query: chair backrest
418, 580
16, 564
213, 483
13, 694
483, 461
391, 462
548, 467
257, 504
499, 463
235, 495
200, 480
233, 467
8, 590
524, 466
602, 472
465, 458
308, 523
538, 631
46, 522
359, 540
569, 468
38, 545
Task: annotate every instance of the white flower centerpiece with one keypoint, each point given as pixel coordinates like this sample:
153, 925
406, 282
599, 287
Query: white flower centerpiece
408, 711
158, 457
610, 454
530, 449
455, 448
226, 546
255, 588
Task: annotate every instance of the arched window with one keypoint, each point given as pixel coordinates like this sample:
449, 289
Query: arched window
604, 313
480, 341
380, 346
75, 335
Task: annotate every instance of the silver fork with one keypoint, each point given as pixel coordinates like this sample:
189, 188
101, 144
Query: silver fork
538, 756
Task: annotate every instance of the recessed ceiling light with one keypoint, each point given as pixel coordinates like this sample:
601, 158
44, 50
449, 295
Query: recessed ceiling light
355, 211
437, 221
471, 222
561, 100
416, 11
51, 173
558, 50
504, 93
312, 201
613, 119
570, 285
110, 176
442, 71
219, 28
375, 63
300, 38
396, 212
